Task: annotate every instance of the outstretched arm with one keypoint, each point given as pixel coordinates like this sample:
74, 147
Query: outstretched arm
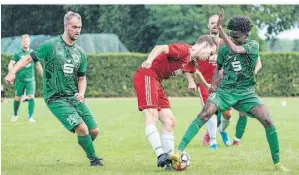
230, 44
10, 77
201, 79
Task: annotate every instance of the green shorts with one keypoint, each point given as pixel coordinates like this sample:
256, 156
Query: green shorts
240, 99
20, 87
71, 113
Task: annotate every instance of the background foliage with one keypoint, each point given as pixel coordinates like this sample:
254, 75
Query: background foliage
110, 75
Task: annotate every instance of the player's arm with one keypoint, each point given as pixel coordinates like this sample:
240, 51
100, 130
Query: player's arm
10, 77
201, 79
217, 76
258, 65
191, 83
82, 81
11, 64
39, 68
230, 44
157, 50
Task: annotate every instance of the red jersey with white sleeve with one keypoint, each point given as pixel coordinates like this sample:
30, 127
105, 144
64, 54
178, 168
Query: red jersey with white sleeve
171, 64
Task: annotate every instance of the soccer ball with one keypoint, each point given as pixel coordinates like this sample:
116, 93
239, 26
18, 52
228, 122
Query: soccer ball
183, 163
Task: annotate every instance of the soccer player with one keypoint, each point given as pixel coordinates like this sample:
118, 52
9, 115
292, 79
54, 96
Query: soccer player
163, 62
206, 69
25, 79
64, 83
238, 59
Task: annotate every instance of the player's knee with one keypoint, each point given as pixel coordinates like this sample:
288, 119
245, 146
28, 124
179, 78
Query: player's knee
227, 114
30, 96
94, 132
267, 121
169, 124
18, 98
82, 130
204, 116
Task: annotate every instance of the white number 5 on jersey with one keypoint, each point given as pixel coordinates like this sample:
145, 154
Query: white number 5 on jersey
236, 66
68, 68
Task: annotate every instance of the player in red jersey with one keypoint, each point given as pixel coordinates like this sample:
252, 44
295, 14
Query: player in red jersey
163, 62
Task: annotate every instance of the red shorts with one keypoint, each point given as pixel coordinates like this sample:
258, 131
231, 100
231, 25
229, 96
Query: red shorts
150, 93
203, 93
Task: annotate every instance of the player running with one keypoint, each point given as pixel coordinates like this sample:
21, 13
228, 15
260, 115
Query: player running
64, 83
163, 62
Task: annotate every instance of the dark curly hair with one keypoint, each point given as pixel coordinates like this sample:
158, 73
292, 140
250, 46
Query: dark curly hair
240, 23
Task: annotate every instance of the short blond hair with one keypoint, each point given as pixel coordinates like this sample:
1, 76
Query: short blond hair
25, 36
69, 15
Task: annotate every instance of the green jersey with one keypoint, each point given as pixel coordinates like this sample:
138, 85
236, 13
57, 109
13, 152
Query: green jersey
62, 65
238, 68
26, 74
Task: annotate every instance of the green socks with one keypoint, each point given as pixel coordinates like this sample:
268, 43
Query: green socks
86, 143
191, 132
30, 107
240, 128
273, 143
16, 105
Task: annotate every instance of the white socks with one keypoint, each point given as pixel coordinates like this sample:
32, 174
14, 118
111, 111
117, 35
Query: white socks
224, 124
212, 129
153, 138
167, 141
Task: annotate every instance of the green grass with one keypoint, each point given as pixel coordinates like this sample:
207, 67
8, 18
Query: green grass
48, 148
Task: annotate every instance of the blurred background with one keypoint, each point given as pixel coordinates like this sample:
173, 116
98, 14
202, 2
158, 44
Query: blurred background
131, 31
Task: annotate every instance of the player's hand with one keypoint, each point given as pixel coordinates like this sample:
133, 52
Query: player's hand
79, 97
192, 86
212, 89
208, 86
220, 19
10, 78
146, 64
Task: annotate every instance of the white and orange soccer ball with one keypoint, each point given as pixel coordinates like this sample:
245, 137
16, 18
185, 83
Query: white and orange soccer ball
183, 163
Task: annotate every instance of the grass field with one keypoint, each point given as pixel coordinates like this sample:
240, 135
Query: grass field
47, 148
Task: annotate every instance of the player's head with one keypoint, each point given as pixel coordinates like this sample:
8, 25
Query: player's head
239, 27
72, 25
213, 25
25, 41
205, 47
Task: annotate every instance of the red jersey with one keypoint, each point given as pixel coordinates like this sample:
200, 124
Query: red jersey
207, 68
171, 64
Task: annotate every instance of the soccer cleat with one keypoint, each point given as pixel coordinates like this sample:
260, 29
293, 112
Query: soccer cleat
96, 162
280, 167
214, 147
163, 159
236, 143
206, 139
31, 120
167, 167
175, 157
14, 118
225, 138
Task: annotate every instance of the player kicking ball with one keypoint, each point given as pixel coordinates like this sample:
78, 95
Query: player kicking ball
163, 62
238, 58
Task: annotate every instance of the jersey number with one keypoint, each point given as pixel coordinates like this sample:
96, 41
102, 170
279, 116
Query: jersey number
71, 120
236, 66
68, 68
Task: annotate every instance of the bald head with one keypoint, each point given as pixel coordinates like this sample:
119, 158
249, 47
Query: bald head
212, 24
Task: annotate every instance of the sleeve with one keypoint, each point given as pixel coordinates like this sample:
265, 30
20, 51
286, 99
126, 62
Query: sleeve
220, 57
15, 57
252, 47
41, 52
83, 66
178, 50
190, 67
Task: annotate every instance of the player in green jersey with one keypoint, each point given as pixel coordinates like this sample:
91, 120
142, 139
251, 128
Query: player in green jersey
25, 79
64, 83
238, 58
